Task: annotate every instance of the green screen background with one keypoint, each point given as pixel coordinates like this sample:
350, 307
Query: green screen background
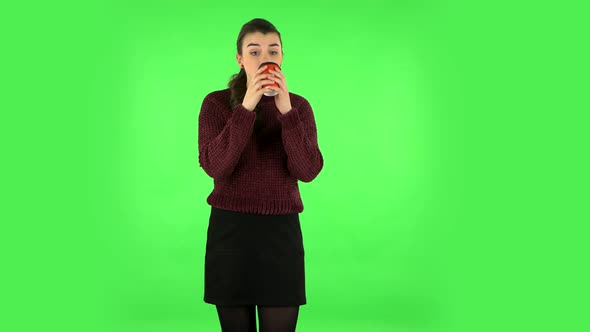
454, 191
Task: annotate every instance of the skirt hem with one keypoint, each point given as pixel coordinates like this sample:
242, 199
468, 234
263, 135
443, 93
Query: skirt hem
257, 302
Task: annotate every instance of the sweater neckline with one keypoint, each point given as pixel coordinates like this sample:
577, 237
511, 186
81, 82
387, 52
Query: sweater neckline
266, 99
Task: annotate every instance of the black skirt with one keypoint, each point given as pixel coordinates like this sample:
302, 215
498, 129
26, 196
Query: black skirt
254, 259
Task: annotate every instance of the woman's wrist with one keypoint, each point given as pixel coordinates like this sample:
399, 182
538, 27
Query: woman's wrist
247, 107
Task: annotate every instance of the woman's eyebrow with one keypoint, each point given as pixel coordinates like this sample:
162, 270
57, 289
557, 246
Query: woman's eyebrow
254, 44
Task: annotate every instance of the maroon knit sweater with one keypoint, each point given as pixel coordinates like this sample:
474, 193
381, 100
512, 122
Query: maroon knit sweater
255, 163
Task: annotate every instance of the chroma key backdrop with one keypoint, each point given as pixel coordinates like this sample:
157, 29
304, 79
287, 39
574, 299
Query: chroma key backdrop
454, 191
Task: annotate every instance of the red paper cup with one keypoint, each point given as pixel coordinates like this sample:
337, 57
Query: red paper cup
270, 66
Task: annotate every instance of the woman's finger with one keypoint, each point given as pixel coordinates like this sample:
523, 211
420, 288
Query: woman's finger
279, 78
260, 84
280, 82
260, 70
264, 82
260, 77
276, 72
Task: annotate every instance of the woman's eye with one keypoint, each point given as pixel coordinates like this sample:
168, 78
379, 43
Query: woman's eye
256, 52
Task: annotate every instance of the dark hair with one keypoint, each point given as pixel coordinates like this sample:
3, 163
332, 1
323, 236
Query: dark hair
237, 83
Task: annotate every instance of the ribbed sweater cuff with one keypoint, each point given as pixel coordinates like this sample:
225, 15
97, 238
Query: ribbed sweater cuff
241, 113
289, 120
243, 119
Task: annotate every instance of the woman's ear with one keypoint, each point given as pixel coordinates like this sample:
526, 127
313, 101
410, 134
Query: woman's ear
239, 60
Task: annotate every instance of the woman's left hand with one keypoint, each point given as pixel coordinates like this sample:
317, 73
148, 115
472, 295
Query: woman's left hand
282, 100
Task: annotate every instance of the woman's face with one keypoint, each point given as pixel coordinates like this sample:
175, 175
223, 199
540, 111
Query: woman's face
258, 48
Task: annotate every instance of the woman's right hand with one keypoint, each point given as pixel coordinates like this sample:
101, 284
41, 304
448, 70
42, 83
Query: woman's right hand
255, 90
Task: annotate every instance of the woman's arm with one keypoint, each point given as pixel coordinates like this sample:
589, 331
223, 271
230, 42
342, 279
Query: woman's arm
299, 133
222, 142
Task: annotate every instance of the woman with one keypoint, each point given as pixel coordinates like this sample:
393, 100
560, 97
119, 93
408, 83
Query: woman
256, 147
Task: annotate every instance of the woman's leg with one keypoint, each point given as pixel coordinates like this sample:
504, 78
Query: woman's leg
278, 319
237, 318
